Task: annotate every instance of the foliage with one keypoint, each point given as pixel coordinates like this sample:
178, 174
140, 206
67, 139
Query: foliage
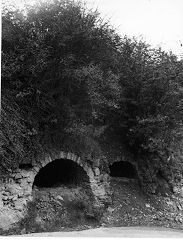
44, 53
149, 118
78, 85
12, 132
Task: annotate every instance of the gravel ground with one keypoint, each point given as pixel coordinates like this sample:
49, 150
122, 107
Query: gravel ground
112, 232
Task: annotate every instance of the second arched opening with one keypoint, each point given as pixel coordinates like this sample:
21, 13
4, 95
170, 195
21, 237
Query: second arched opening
123, 169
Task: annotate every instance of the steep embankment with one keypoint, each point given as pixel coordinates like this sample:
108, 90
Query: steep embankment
131, 207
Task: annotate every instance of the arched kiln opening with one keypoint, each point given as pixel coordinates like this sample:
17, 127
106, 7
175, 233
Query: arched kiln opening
123, 169
61, 172
62, 194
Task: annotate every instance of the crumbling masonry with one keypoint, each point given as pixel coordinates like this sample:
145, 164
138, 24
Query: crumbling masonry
16, 191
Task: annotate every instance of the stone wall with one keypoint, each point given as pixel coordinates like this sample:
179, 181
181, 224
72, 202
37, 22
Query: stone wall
16, 191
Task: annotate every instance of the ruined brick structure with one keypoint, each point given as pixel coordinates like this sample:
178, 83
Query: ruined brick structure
16, 191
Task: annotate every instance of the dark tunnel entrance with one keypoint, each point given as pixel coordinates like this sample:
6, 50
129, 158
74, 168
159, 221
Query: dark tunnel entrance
123, 169
61, 172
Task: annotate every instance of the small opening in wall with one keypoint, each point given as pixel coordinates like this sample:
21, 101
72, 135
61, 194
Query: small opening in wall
123, 169
25, 166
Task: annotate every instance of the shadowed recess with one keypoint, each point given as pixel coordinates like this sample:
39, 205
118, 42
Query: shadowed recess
61, 172
123, 169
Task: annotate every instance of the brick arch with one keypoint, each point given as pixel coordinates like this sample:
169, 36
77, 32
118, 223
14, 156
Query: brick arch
19, 190
97, 189
64, 155
124, 164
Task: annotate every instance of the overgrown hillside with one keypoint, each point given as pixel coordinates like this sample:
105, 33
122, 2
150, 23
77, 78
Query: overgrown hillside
69, 80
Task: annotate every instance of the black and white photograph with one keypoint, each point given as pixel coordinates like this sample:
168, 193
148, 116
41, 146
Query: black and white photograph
91, 120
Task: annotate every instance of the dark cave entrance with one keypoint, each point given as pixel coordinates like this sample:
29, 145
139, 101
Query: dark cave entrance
123, 169
61, 172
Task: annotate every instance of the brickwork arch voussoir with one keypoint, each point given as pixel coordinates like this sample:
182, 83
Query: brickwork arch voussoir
65, 155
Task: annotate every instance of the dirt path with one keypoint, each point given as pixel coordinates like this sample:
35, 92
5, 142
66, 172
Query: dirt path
136, 232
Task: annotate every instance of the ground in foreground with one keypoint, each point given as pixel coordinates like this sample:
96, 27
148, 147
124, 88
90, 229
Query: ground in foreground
115, 232
71, 209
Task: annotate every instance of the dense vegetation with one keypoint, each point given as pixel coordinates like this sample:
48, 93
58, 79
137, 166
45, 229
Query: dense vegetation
70, 81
